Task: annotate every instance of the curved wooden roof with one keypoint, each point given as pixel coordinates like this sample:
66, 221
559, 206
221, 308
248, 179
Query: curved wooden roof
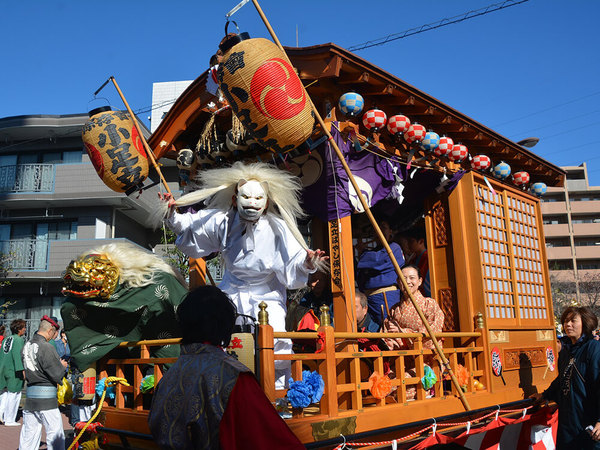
334, 71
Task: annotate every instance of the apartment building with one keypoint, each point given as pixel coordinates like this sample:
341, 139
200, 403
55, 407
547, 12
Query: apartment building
53, 206
572, 229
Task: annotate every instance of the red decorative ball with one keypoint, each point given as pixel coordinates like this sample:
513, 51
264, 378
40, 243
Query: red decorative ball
415, 133
521, 178
444, 147
398, 124
374, 119
458, 153
481, 162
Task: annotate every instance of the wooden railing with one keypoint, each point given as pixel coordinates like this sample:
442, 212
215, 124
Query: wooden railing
345, 369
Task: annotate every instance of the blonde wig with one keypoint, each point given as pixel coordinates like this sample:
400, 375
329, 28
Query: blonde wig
137, 267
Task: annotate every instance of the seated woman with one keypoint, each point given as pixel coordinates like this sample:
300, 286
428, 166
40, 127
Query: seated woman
404, 319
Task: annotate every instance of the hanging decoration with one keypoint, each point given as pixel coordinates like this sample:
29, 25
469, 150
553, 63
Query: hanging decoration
521, 178
430, 141
381, 385
415, 133
502, 171
481, 162
398, 124
115, 149
497, 364
309, 390
459, 153
374, 120
539, 189
351, 104
185, 159
444, 146
265, 92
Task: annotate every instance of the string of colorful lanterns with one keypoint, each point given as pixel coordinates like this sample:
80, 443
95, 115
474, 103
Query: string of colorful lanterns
351, 104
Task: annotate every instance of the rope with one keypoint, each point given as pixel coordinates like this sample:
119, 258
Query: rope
110, 381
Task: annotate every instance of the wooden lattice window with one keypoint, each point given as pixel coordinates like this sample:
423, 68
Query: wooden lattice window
511, 260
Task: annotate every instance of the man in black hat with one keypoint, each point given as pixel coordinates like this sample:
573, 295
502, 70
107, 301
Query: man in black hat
44, 370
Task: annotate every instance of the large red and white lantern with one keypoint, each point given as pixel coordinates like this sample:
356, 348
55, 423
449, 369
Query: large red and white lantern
521, 178
444, 147
415, 133
459, 152
481, 162
374, 119
398, 124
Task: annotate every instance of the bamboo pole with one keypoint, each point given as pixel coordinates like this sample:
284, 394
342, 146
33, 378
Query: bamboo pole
146, 146
371, 218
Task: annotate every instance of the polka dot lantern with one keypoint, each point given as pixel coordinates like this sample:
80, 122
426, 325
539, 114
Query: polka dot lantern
430, 141
351, 104
444, 146
398, 124
458, 153
538, 189
374, 119
481, 162
521, 178
415, 133
502, 170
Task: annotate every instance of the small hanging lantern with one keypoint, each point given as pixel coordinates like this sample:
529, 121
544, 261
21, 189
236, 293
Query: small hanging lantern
502, 170
374, 120
481, 162
398, 124
521, 178
265, 92
430, 141
351, 104
415, 133
458, 153
444, 146
185, 158
539, 189
115, 149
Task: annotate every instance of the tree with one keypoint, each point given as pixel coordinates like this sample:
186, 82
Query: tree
173, 255
5, 259
589, 290
564, 294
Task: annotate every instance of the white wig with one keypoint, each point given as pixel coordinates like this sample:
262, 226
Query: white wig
218, 186
137, 267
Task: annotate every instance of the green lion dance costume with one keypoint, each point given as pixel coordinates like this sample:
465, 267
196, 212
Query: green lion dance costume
117, 293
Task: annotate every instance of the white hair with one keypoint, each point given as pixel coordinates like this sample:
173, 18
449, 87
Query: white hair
137, 267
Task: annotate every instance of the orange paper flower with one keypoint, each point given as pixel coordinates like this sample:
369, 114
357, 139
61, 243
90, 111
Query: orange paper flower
381, 385
462, 375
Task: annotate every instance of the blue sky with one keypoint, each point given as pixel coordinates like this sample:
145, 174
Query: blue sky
528, 70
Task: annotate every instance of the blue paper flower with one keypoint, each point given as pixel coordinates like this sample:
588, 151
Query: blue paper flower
110, 391
429, 379
315, 381
309, 390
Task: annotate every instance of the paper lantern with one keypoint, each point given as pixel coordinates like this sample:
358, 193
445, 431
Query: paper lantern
539, 188
374, 119
444, 146
502, 170
185, 159
458, 153
398, 124
481, 162
521, 178
265, 93
430, 141
115, 149
415, 133
351, 104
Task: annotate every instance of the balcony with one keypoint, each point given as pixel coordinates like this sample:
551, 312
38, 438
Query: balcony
553, 208
27, 178
584, 229
556, 230
587, 207
554, 253
587, 252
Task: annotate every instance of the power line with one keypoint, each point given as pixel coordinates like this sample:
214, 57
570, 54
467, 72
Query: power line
552, 124
433, 26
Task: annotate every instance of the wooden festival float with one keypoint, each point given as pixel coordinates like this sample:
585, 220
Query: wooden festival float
485, 242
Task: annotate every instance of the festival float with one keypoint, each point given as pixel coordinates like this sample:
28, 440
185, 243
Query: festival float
362, 141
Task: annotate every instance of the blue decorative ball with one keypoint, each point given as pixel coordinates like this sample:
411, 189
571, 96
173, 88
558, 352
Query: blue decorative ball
351, 104
502, 171
538, 189
430, 141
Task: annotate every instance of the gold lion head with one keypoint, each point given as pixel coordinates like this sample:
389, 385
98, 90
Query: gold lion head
91, 276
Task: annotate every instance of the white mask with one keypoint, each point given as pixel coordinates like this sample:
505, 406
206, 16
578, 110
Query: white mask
251, 200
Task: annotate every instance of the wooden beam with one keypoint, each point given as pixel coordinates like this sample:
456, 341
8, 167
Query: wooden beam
362, 78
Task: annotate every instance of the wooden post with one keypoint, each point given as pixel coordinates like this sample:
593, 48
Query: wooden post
369, 214
266, 351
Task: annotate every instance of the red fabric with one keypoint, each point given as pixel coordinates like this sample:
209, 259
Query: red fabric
251, 422
52, 322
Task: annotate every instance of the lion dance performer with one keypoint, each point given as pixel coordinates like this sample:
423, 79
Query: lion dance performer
117, 293
250, 217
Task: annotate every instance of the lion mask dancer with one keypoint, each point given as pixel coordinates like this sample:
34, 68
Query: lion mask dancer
117, 293
250, 217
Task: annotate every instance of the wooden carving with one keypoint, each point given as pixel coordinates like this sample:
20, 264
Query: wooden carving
440, 225
519, 358
449, 307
